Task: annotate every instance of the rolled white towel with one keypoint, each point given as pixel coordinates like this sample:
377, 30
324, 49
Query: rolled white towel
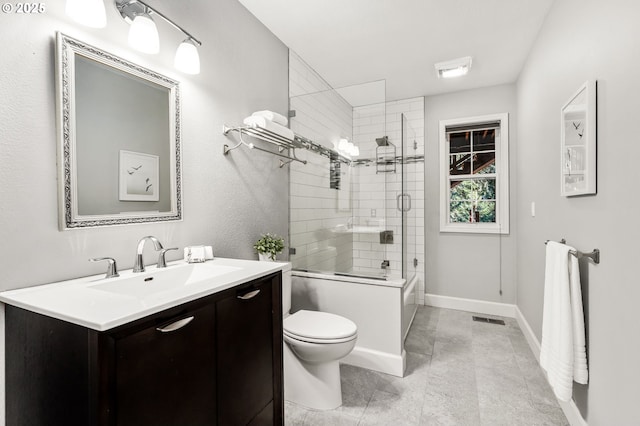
273, 116
262, 122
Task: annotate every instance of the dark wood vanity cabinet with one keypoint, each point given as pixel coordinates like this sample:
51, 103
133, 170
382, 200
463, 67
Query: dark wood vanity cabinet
213, 361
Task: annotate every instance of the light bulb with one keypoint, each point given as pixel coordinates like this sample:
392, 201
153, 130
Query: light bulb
143, 34
187, 59
87, 12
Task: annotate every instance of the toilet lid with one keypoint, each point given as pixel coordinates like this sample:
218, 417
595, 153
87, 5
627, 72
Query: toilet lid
319, 325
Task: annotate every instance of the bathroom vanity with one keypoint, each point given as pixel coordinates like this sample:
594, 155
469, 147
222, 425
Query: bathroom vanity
202, 353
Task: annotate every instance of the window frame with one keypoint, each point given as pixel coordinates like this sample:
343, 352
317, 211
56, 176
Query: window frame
501, 225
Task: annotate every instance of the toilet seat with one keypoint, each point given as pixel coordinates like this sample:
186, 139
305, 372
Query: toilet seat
319, 327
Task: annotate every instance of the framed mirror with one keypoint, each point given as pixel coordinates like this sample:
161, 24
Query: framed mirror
118, 139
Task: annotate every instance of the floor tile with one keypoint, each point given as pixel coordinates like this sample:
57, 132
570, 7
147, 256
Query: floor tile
459, 373
415, 380
333, 418
358, 386
421, 335
386, 409
294, 414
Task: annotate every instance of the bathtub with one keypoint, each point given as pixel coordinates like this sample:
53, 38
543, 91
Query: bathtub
382, 309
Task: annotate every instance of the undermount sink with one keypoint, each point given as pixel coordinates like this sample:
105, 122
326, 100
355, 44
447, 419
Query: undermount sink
169, 279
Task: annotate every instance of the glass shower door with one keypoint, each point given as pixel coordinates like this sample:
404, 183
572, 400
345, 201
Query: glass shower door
407, 199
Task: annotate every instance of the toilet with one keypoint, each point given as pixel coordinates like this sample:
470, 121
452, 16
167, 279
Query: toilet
314, 343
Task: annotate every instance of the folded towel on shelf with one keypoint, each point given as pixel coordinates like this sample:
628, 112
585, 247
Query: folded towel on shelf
264, 123
273, 116
562, 354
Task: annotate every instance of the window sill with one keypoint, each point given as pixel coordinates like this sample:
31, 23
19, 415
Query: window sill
479, 228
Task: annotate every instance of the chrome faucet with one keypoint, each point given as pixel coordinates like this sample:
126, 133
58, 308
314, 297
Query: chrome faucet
112, 268
139, 265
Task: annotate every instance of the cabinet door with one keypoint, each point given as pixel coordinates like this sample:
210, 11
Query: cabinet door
245, 354
168, 377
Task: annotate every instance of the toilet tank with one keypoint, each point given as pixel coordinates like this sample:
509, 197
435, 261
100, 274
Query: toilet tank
286, 290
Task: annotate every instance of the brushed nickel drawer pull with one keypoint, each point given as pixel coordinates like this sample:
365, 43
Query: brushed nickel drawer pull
175, 325
249, 295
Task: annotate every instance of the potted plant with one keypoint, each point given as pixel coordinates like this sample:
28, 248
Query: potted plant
268, 246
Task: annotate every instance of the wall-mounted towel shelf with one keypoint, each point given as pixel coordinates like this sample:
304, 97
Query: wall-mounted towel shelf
593, 255
281, 142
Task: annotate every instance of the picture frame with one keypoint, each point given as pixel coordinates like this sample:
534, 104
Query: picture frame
139, 176
578, 138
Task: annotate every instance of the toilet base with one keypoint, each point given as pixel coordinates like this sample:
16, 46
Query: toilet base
315, 386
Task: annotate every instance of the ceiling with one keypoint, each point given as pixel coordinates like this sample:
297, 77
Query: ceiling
356, 41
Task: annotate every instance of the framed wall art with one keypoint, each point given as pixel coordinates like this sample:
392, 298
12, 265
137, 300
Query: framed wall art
578, 142
139, 176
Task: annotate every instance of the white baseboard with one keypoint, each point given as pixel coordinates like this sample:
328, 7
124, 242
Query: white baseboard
572, 413
532, 340
569, 408
375, 360
471, 305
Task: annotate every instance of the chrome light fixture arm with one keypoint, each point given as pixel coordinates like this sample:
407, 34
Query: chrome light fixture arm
129, 8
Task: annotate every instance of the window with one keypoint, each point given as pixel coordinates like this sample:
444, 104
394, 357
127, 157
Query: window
474, 174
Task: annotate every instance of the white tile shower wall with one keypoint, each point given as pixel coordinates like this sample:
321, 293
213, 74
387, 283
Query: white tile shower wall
379, 191
369, 201
316, 210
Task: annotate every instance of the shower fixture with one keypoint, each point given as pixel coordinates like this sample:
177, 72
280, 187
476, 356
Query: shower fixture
383, 141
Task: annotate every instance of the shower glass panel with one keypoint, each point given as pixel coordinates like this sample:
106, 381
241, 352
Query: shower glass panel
373, 236
407, 199
339, 203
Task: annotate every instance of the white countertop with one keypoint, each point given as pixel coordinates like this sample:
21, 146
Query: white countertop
81, 302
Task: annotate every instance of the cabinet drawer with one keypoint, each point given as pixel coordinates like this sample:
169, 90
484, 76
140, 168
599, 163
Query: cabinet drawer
165, 374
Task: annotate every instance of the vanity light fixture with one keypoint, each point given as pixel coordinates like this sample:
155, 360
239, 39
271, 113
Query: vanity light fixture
187, 59
87, 12
143, 34
454, 68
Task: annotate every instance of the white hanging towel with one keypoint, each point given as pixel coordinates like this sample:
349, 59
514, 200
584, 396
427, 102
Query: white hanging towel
580, 370
259, 121
563, 353
272, 116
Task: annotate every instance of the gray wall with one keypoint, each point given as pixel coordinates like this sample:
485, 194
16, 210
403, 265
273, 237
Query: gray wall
583, 40
468, 265
228, 201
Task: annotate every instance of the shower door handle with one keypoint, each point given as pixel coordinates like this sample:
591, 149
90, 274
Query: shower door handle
401, 204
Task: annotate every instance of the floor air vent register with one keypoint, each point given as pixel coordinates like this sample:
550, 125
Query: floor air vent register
488, 320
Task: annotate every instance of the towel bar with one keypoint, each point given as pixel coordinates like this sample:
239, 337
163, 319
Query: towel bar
593, 255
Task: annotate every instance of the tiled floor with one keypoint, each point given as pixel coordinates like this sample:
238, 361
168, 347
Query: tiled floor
459, 372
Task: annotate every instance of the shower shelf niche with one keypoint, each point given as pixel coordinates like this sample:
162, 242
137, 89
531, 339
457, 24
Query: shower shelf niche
283, 143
